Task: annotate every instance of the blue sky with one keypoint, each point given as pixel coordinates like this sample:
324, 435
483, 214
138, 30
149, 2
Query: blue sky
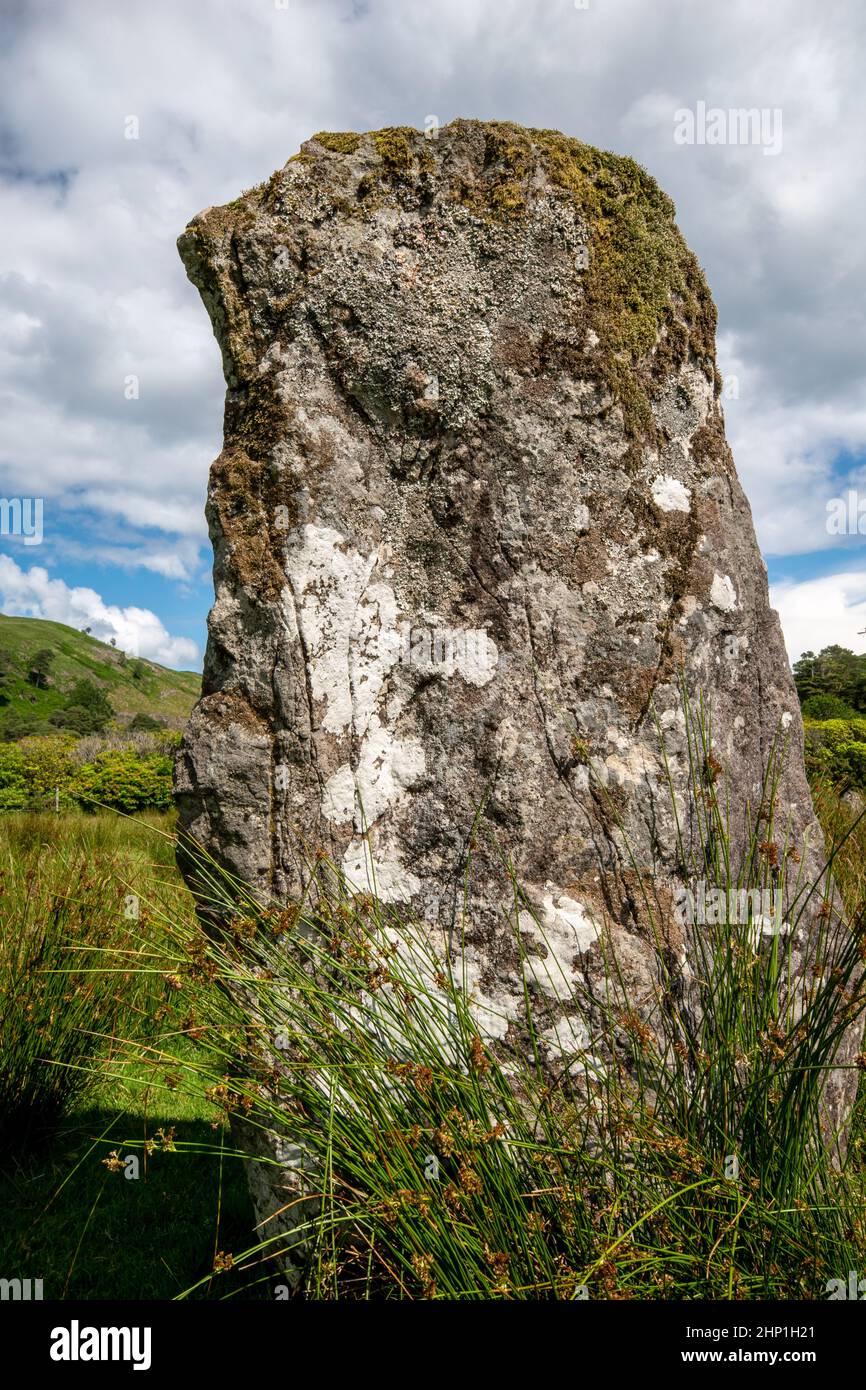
218, 94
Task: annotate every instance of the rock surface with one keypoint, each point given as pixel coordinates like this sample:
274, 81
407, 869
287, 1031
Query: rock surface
473, 521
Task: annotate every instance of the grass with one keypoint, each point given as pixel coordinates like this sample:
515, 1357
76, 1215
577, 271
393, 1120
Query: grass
69, 1219
680, 1155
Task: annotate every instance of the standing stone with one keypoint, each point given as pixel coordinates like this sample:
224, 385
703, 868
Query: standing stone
474, 521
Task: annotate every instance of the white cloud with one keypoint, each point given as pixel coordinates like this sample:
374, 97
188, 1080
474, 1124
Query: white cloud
822, 612
177, 560
785, 453
139, 632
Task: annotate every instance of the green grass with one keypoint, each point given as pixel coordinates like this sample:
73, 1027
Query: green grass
88, 1231
92, 1233
167, 695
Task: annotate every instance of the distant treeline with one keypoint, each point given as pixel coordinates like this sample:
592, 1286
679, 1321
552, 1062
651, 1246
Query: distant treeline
832, 691
831, 685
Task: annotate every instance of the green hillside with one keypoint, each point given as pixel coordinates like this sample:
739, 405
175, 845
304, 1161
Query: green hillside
131, 685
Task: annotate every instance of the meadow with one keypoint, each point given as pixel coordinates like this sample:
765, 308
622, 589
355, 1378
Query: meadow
84, 987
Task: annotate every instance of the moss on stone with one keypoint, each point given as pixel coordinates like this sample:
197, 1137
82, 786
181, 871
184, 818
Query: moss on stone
271, 190
710, 450
338, 141
394, 147
645, 296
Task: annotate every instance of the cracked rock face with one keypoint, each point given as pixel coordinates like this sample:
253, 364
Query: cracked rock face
474, 519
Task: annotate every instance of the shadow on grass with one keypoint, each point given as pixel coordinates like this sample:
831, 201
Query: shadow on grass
91, 1233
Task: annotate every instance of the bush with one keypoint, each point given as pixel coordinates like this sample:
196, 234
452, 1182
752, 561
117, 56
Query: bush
13, 784
37, 773
827, 707
145, 723
33, 771
125, 782
836, 751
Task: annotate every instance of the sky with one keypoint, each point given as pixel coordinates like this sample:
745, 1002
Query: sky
118, 123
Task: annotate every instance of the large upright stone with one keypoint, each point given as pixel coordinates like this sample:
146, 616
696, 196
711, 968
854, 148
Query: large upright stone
473, 518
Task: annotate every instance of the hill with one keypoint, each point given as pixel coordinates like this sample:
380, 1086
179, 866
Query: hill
131, 685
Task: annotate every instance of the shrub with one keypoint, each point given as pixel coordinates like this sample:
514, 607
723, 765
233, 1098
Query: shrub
145, 723
836, 750
33, 771
827, 707
13, 784
40, 773
125, 782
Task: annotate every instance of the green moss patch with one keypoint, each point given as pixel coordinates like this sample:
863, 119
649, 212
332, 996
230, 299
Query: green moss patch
338, 141
645, 294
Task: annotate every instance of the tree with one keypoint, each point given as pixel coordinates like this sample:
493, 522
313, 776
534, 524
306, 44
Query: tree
804, 676
87, 709
40, 668
6, 670
836, 672
145, 723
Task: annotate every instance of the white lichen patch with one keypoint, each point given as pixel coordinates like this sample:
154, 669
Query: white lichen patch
565, 929
723, 595
492, 1013
338, 618
338, 796
353, 637
382, 874
433, 649
567, 1036
669, 494
387, 768
765, 925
